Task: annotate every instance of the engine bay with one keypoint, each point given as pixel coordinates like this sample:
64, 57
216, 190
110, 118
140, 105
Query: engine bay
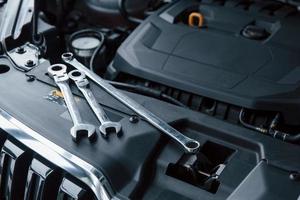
220, 73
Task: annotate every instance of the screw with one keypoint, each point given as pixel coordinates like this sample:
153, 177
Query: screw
30, 63
134, 119
21, 50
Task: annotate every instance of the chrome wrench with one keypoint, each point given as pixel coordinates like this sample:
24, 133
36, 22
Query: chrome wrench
107, 126
189, 145
59, 73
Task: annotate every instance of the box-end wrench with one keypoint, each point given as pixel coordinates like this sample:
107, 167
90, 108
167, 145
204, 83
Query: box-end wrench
59, 73
107, 126
189, 145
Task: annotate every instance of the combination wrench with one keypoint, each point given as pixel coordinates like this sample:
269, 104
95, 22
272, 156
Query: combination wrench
107, 126
59, 73
189, 145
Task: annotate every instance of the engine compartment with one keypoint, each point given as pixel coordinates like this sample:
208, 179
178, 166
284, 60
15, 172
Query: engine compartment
229, 84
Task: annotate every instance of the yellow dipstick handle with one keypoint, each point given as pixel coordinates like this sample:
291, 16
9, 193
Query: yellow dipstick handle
196, 19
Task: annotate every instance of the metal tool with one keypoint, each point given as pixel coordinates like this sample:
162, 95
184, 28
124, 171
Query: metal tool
107, 126
61, 78
190, 145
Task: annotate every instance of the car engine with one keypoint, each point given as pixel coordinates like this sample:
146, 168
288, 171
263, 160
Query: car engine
154, 99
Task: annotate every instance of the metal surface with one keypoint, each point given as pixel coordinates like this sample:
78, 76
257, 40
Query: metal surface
189, 145
107, 126
9, 18
24, 17
72, 164
60, 76
26, 57
17, 13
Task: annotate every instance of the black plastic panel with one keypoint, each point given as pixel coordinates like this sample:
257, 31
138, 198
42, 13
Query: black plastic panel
266, 182
217, 61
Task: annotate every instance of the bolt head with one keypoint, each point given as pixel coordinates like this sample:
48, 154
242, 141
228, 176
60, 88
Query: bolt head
20, 50
134, 119
295, 176
30, 63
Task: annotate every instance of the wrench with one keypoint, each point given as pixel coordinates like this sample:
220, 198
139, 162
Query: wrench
107, 126
59, 73
189, 145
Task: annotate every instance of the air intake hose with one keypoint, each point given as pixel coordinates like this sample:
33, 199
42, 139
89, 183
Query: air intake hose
133, 7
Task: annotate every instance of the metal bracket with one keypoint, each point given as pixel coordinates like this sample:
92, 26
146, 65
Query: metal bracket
26, 57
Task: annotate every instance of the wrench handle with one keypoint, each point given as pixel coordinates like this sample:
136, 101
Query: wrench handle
98, 110
70, 101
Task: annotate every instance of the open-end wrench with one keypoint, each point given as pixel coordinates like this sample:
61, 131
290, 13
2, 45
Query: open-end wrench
189, 145
107, 126
59, 73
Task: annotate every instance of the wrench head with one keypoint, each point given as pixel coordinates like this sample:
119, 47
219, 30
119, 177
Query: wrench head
79, 78
81, 130
57, 70
68, 56
76, 75
110, 127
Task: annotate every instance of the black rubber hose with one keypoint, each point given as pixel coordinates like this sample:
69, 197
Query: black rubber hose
96, 52
286, 137
125, 14
35, 35
148, 92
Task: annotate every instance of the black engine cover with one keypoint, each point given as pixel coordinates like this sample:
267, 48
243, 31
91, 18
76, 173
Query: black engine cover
219, 61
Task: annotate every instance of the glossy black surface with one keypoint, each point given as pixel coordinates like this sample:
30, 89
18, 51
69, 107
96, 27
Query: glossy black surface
136, 163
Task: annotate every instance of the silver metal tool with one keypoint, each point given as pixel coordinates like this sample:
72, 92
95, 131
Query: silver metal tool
107, 126
189, 145
61, 78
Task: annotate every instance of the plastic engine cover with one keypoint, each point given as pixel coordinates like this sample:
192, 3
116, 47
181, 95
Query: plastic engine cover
219, 60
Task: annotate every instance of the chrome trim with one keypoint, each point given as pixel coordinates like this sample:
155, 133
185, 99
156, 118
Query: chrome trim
72, 164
